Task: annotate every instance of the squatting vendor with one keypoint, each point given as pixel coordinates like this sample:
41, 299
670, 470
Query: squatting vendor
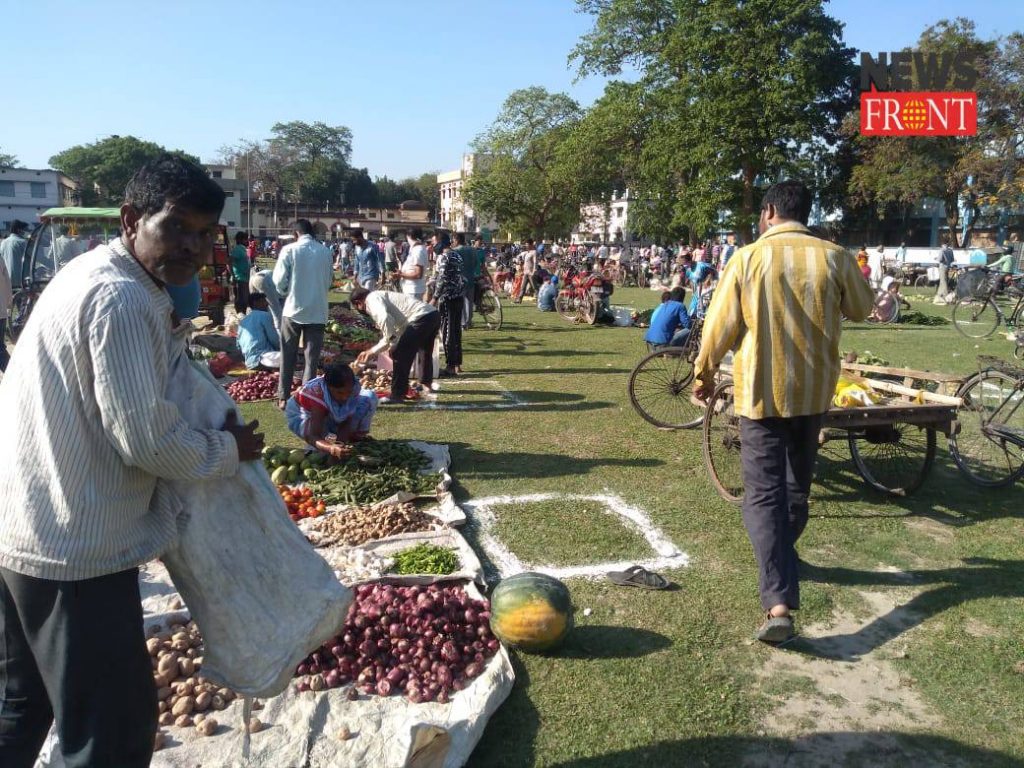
332, 411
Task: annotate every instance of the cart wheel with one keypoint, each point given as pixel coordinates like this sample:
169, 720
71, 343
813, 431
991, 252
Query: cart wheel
722, 444
490, 308
660, 387
988, 458
893, 458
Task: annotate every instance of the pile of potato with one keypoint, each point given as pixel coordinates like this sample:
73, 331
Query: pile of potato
375, 379
356, 525
184, 697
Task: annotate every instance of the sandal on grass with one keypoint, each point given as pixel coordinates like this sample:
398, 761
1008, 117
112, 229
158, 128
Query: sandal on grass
638, 576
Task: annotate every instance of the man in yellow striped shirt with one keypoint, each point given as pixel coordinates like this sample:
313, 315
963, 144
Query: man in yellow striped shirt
779, 304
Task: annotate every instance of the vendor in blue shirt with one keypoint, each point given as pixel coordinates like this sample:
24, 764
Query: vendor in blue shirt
670, 322
546, 295
257, 336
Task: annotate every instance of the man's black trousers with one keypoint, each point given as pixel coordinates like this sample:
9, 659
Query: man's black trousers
417, 339
75, 652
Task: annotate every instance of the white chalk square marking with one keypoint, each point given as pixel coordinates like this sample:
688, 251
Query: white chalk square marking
667, 555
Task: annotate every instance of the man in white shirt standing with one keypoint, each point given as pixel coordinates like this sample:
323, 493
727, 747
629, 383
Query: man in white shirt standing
529, 268
414, 269
89, 430
303, 275
408, 328
876, 262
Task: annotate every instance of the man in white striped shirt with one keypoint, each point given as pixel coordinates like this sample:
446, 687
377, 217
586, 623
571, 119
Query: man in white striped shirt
88, 431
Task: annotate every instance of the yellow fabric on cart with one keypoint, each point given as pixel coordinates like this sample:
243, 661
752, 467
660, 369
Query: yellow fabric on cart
854, 394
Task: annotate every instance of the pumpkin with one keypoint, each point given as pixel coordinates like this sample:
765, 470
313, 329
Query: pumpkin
531, 611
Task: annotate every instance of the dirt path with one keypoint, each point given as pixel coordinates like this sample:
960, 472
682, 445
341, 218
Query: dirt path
842, 700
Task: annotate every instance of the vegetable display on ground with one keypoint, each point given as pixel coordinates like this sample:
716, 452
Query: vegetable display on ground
287, 466
422, 642
301, 502
184, 697
347, 484
531, 611
426, 558
356, 525
260, 386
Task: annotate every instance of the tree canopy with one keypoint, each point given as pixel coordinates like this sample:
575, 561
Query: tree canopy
736, 94
104, 168
7, 161
523, 176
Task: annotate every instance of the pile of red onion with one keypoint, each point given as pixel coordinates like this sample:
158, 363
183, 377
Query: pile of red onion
259, 386
423, 642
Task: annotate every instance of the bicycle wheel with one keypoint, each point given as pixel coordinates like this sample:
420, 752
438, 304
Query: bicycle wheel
921, 281
564, 306
722, 444
990, 458
975, 318
17, 316
588, 309
895, 458
660, 387
490, 308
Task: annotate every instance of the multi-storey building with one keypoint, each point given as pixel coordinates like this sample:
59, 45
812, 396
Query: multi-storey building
25, 193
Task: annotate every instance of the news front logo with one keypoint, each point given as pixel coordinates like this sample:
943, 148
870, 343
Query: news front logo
888, 106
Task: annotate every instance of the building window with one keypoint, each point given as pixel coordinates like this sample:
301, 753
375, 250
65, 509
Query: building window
38, 189
6, 189
229, 194
217, 174
391, 215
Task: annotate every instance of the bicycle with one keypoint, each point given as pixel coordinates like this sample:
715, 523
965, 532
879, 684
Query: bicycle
989, 447
661, 384
488, 305
977, 315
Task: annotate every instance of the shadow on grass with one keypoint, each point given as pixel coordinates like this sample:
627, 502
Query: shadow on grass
604, 642
483, 465
839, 490
879, 748
554, 369
978, 579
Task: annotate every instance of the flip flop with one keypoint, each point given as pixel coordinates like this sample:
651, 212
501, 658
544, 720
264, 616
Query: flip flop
638, 576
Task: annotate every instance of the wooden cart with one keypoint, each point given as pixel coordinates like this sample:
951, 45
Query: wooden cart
892, 443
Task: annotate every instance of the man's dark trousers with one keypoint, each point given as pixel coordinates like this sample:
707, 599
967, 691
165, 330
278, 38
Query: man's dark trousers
312, 342
75, 650
778, 457
416, 340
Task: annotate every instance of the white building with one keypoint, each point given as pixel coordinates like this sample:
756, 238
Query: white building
25, 193
234, 190
454, 212
605, 221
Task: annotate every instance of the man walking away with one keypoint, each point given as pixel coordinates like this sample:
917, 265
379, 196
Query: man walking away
448, 291
782, 303
303, 276
408, 328
367, 261
12, 251
728, 249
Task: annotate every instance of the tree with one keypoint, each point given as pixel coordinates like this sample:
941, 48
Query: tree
104, 168
899, 172
738, 93
425, 190
521, 177
8, 161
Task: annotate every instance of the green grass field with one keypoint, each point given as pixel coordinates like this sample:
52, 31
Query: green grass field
673, 678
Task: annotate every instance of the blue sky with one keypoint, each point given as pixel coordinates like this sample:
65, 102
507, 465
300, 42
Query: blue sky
415, 80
